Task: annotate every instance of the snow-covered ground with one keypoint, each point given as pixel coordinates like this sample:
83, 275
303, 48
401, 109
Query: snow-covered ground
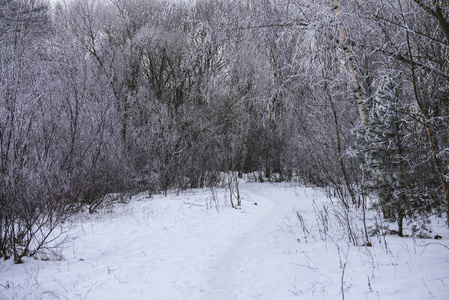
281, 244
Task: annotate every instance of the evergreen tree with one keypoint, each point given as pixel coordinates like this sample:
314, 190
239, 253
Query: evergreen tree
392, 159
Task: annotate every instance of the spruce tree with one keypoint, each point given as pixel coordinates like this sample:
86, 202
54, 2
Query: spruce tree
391, 158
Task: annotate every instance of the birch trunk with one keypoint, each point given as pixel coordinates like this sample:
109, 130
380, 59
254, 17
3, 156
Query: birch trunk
351, 66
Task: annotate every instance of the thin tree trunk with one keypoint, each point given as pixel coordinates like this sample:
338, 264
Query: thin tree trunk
340, 155
400, 223
351, 66
244, 151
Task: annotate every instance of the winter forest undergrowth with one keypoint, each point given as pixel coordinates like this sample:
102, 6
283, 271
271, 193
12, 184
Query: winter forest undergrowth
101, 101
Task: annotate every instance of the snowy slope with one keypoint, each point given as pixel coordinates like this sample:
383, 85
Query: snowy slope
182, 247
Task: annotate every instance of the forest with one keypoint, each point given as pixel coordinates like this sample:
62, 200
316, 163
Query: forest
101, 97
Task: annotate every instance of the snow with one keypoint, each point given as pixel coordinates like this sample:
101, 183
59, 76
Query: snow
183, 247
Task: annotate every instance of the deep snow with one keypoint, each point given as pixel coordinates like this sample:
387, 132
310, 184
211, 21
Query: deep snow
182, 247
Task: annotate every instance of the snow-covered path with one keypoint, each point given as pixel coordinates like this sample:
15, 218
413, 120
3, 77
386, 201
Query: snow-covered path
172, 248
182, 247
246, 268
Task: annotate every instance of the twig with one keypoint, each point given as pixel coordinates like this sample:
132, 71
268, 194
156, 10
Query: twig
342, 281
425, 246
425, 284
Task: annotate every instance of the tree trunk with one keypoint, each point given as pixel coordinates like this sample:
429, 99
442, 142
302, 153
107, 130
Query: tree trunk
244, 151
339, 152
400, 224
351, 66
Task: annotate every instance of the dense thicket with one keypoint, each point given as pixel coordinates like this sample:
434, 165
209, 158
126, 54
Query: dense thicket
100, 97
